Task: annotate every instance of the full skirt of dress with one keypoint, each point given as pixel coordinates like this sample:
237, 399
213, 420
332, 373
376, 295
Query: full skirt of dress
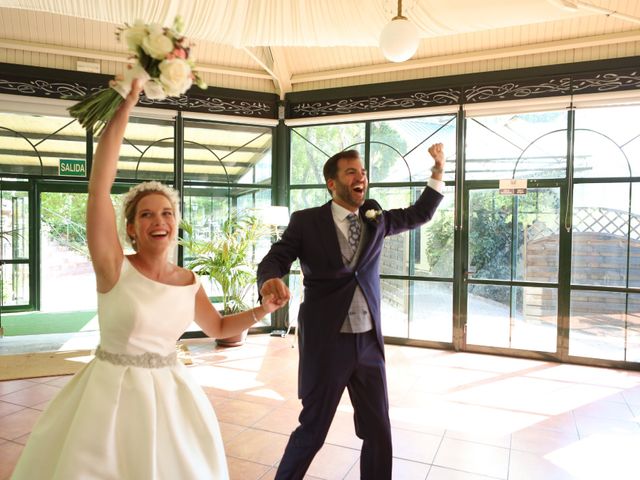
124, 422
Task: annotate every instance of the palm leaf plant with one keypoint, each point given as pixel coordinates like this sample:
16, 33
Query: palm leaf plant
227, 257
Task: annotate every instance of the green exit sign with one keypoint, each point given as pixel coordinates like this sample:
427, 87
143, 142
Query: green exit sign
72, 168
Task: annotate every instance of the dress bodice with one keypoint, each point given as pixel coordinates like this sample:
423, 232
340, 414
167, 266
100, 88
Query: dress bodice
140, 315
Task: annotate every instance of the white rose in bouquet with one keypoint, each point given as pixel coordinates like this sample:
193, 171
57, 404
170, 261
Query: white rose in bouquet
175, 75
134, 35
154, 90
157, 45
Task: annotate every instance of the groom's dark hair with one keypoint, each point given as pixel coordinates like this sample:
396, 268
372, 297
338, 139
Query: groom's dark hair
330, 169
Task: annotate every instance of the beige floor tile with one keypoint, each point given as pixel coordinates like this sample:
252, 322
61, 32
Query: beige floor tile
240, 412
343, 431
257, 446
541, 440
473, 458
529, 466
23, 439
10, 386
588, 426
594, 376
600, 456
9, 454
444, 380
41, 406
33, 395
229, 431
333, 462
564, 422
484, 437
632, 395
269, 394
17, 424
605, 409
270, 475
403, 469
245, 470
441, 473
279, 420
415, 446
488, 363
7, 408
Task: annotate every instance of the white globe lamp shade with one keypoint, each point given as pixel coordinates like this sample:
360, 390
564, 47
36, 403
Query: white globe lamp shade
399, 40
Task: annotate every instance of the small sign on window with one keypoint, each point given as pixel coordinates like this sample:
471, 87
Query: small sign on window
513, 186
72, 168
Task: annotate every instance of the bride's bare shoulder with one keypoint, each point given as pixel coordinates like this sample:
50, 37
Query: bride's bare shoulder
184, 276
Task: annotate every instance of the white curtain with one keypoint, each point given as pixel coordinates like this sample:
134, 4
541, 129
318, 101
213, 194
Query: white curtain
325, 23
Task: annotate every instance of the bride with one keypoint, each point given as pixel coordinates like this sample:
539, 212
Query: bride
134, 412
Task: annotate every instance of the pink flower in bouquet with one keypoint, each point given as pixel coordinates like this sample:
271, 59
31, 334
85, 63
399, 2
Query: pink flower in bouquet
180, 53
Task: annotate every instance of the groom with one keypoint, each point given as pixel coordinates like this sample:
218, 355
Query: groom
340, 338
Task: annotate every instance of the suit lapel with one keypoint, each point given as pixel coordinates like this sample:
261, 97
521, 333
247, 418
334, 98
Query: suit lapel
329, 236
371, 232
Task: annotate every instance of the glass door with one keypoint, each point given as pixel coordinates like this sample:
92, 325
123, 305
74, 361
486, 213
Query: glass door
68, 301
510, 279
15, 258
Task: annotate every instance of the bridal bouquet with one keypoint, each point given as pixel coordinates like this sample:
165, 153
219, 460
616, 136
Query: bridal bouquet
162, 64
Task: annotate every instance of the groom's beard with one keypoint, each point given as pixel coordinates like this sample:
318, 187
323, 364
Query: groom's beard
348, 196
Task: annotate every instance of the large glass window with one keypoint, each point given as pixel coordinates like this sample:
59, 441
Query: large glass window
312, 146
147, 151
523, 145
228, 154
227, 174
605, 235
399, 148
34, 144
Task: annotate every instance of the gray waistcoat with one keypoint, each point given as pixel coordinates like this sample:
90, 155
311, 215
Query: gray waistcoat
358, 318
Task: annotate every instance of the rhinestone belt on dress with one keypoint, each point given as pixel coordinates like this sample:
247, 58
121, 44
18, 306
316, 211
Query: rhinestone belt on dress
145, 360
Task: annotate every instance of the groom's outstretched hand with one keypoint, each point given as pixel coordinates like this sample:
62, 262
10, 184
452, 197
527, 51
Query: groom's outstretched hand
437, 153
277, 290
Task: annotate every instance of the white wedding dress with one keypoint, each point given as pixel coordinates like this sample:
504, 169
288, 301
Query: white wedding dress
133, 412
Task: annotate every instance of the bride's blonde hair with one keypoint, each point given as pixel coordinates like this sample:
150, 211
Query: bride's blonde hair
137, 193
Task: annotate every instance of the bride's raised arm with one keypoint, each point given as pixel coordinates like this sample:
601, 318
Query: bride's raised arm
102, 233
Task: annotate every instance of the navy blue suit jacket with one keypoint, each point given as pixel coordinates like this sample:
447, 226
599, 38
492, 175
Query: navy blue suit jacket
328, 285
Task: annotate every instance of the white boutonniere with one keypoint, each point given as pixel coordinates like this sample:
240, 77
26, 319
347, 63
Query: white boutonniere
373, 214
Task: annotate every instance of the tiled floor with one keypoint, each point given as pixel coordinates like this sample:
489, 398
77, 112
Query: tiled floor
455, 416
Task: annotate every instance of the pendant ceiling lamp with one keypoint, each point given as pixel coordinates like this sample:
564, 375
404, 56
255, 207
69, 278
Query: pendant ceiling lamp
399, 39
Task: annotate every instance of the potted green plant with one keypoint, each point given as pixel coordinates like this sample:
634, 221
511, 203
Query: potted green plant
227, 260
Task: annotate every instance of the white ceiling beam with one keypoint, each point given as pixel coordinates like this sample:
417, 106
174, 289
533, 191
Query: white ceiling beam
474, 56
279, 76
120, 57
281, 69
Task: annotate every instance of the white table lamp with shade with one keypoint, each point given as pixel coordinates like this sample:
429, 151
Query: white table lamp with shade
275, 216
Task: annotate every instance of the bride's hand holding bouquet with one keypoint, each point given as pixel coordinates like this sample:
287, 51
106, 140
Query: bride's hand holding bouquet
163, 67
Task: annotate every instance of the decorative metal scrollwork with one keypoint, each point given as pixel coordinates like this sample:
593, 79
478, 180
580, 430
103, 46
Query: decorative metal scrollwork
374, 104
517, 91
607, 82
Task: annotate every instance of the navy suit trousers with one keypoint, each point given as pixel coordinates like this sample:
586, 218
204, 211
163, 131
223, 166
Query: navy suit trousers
354, 361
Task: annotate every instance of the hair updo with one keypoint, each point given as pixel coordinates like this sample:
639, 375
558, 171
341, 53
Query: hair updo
137, 193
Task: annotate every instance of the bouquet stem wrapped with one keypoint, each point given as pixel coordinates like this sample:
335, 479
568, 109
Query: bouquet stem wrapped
162, 64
